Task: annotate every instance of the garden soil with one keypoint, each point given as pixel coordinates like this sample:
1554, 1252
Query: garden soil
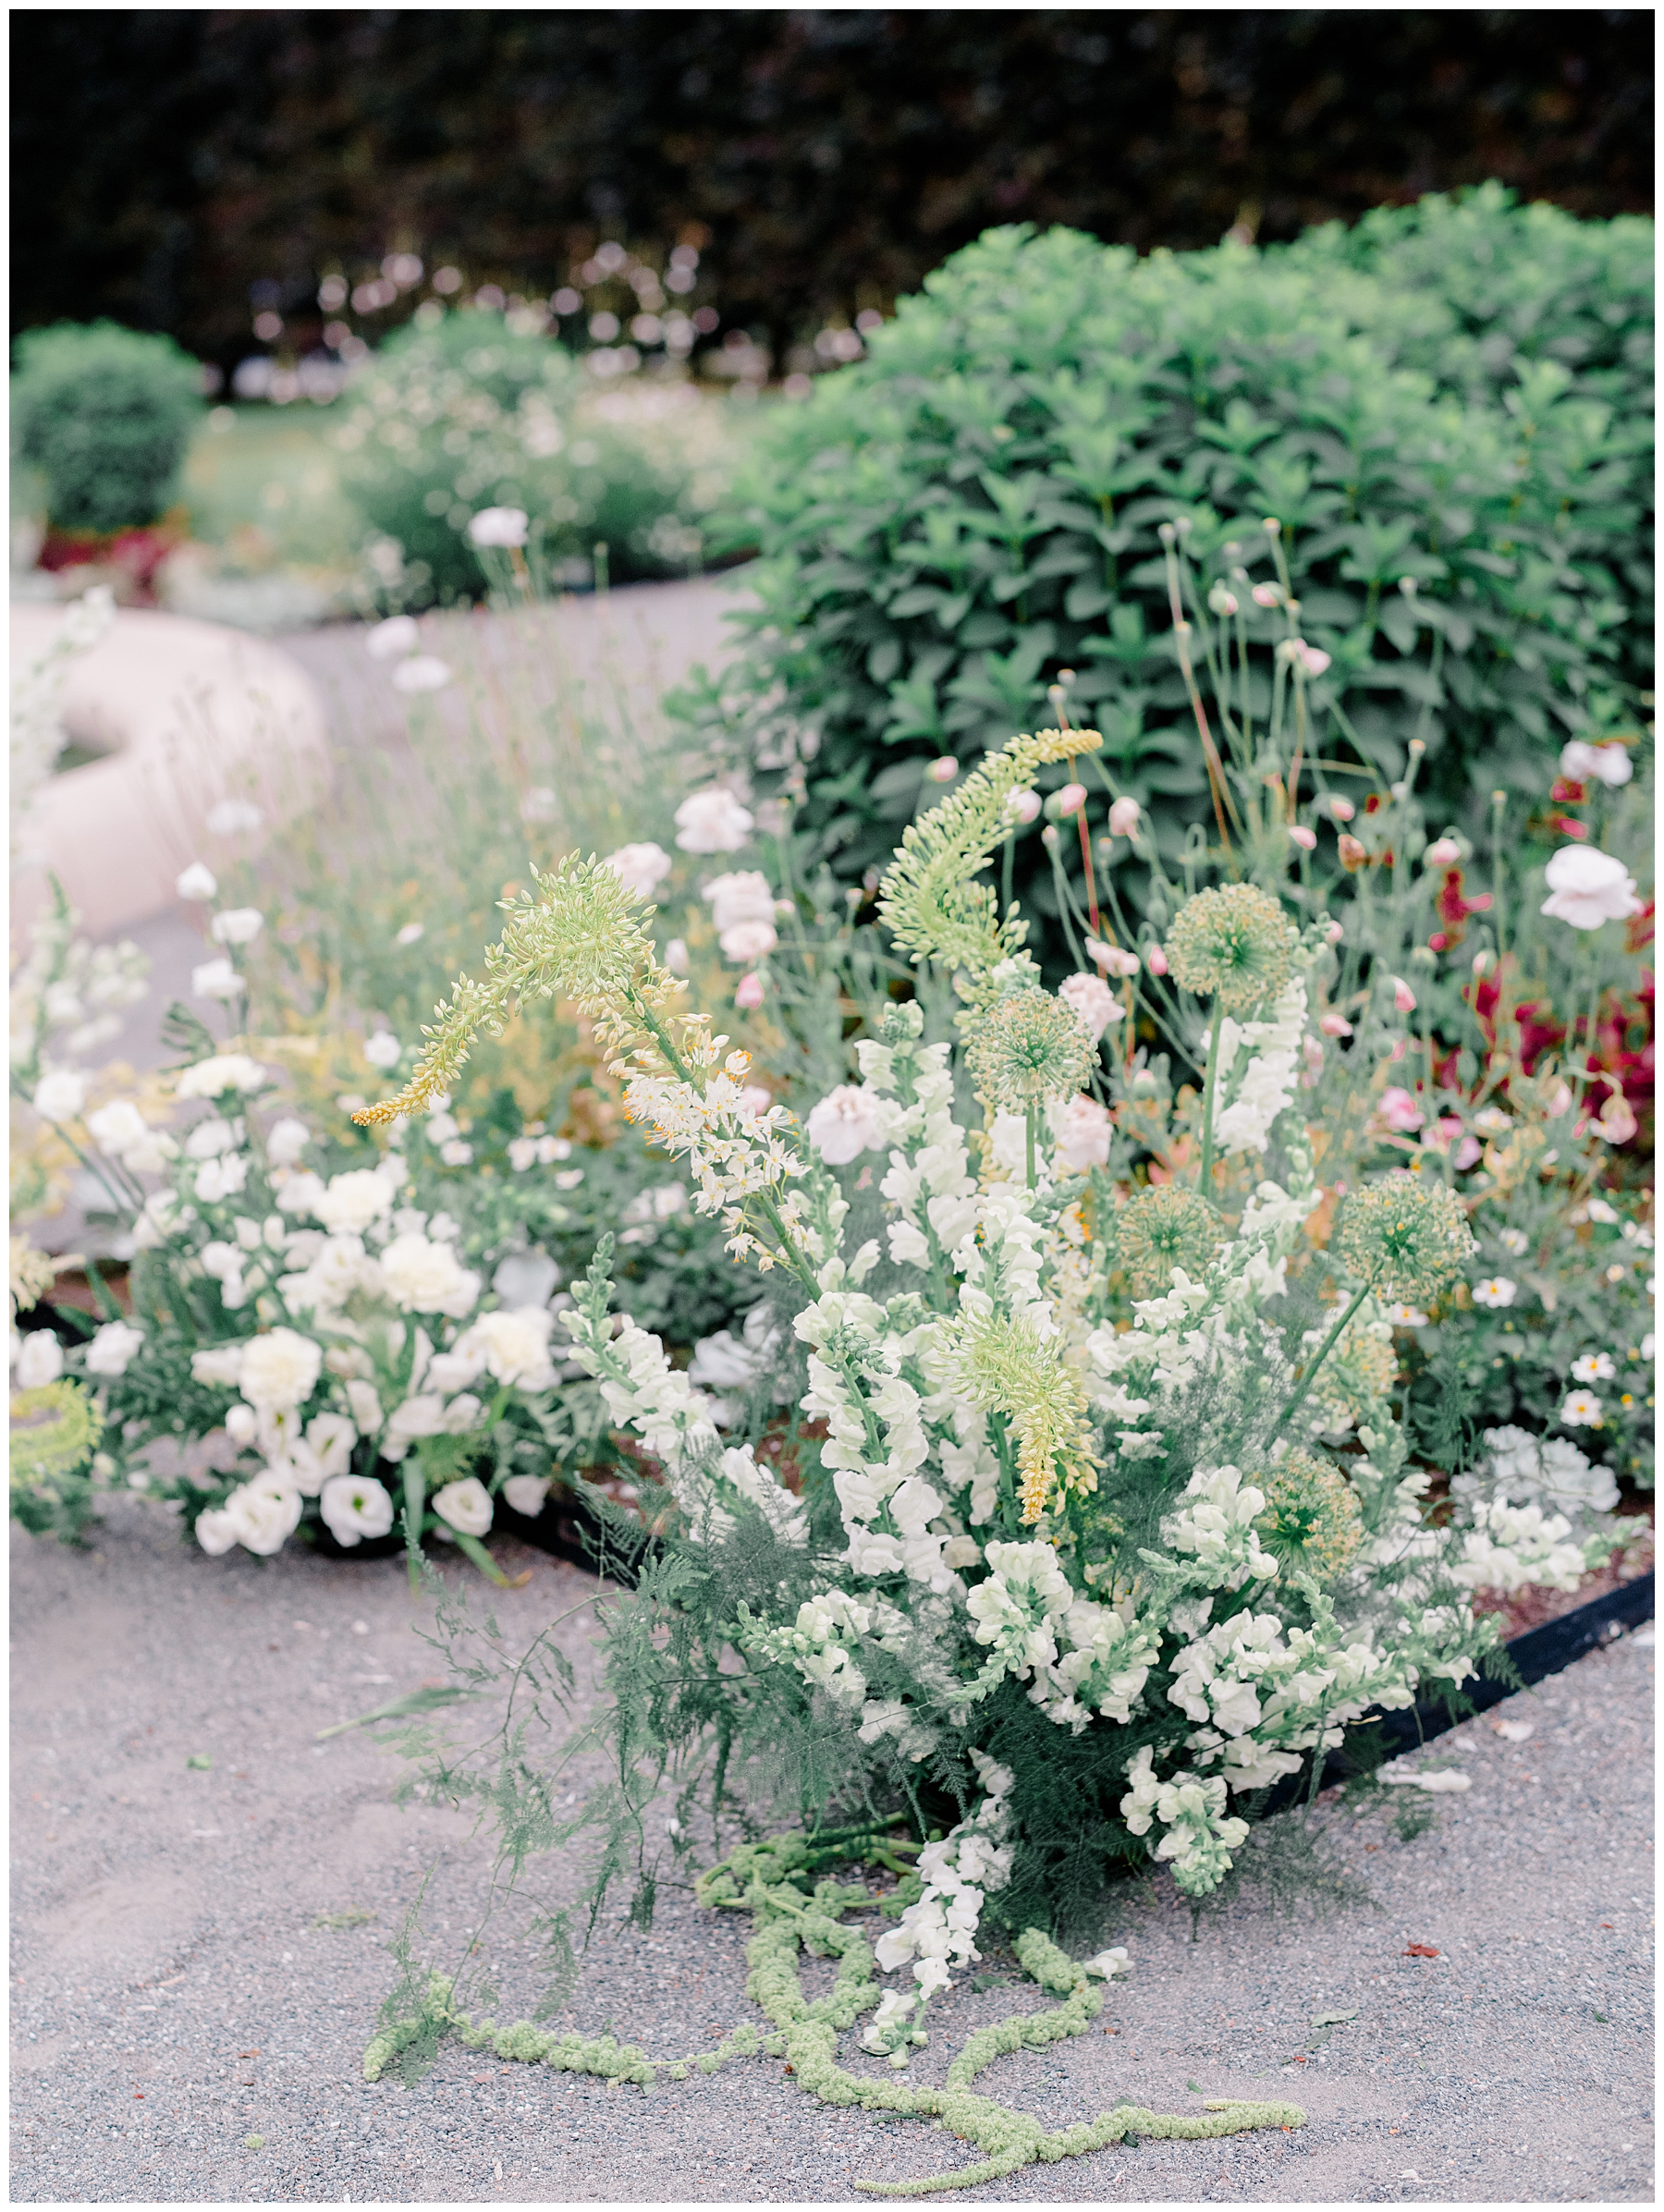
203, 1893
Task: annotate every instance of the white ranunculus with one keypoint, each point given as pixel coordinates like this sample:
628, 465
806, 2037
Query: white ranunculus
514, 1344
219, 1180
279, 1370
264, 1513
353, 1200
466, 1506
384, 1050
424, 1276
422, 672
502, 526
40, 1360
236, 925
198, 884
449, 1371
1587, 888
526, 1494
354, 1507
225, 1071
112, 1348
220, 1367
286, 1141
215, 979
844, 1124
712, 820
641, 868
117, 1127
208, 1138
300, 1193
60, 1096
215, 1530
387, 639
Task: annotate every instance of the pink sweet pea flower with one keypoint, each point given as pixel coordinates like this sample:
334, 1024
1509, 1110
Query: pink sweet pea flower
1398, 1111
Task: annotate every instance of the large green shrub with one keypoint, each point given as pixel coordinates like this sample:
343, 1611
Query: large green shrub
106, 415
469, 412
948, 525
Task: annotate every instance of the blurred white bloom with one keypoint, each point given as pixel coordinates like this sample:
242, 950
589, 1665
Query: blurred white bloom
40, 1360
1082, 1128
221, 1179
423, 1276
420, 1416
525, 1279
1496, 1291
396, 635
242, 1424
1594, 1367
219, 1367
843, 1124
467, 1507
540, 804
208, 1138
215, 1532
330, 1437
1583, 1410
117, 1127
422, 672
712, 820
236, 925
225, 1071
641, 868
1093, 1003
1110, 1963
1111, 958
112, 1348
514, 1346
263, 1513
299, 1194
525, 1494
1513, 1241
1024, 806
1587, 888
1124, 817
384, 1050
1406, 1316
353, 1200
60, 1096
676, 956
232, 816
457, 1152
279, 1370
366, 1405
354, 1507
1584, 763
197, 884
498, 526
215, 979
411, 934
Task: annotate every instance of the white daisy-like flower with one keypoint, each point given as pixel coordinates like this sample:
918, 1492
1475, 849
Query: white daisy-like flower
1583, 1410
1496, 1291
1594, 1367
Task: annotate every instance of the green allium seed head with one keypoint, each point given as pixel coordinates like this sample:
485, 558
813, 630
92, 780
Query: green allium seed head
1312, 1518
1029, 1049
1165, 1227
1234, 945
1406, 1237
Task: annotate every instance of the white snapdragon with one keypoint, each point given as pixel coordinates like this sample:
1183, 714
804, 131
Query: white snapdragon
1259, 1073
939, 1932
1214, 1525
1200, 1835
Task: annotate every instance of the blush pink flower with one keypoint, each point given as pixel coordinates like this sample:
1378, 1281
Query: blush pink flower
1335, 1025
1124, 818
1305, 839
1398, 1111
749, 996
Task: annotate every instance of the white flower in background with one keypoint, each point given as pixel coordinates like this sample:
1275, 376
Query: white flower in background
1584, 763
38, 1360
1587, 888
1024, 806
299, 1194
1583, 1410
1406, 1316
676, 957
208, 1138
425, 1276
225, 1072
116, 1128
384, 1050
233, 817
354, 1507
1524, 1469
1124, 818
279, 1370
112, 1348
218, 1368
197, 884
1082, 1128
216, 1532
411, 934
641, 868
713, 821
420, 1416
499, 526
513, 1346
330, 1439
60, 1096
844, 1124
466, 1506
525, 1279
215, 979
458, 1152
743, 907
541, 803
236, 925
1091, 1002
1514, 1241
353, 1201
1594, 1367
1108, 1962
396, 635
221, 1179
366, 1405
526, 1494
1111, 958
422, 672
264, 1513
1496, 1291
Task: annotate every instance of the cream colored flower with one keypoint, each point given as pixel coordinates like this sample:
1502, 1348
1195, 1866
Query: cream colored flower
466, 1506
279, 1370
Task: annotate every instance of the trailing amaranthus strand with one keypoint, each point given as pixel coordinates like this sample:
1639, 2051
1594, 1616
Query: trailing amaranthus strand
1009, 1367
580, 937
927, 898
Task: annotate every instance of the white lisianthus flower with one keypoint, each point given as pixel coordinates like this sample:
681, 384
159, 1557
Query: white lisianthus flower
286, 1141
354, 1507
525, 1279
60, 1096
420, 1416
225, 1072
331, 1436
279, 1370
264, 1513
208, 1138
38, 1360
387, 639
242, 1424
500, 526
366, 1405
515, 1346
116, 1128
1496, 1291
1587, 888
641, 868
713, 821
844, 1124
423, 1276
422, 672
215, 979
221, 1179
197, 884
215, 1530
466, 1506
384, 1050
526, 1494
220, 1367
1092, 1002
353, 1201
236, 925
300, 1193
112, 1348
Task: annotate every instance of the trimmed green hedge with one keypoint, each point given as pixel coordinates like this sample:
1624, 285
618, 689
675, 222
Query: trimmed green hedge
106, 415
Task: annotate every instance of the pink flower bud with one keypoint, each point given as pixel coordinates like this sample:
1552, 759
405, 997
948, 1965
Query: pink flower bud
1443, 853
1398, 1111
1335, 1025
1022, 805
1559, 1103
944, 770
1397, 1049
1305, 839
1311, 658
1070, 799
750, 993
1267, 595
1341, 809
1124, 817
1157, 960
1403, 997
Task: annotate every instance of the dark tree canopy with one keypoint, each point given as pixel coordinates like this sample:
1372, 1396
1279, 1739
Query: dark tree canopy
168, 163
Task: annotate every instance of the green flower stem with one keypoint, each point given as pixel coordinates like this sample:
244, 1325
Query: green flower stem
415, 1499
1029, 1119
1208, 1085
483, 1559
1329, 1342
789, 1253
1008, 853
650, 1020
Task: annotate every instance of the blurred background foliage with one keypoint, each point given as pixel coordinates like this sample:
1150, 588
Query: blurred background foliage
187, 169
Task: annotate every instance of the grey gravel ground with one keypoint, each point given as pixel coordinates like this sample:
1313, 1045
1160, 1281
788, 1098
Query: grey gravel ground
175, 1994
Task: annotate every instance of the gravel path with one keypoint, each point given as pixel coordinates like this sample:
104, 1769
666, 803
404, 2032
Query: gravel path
198, 1951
